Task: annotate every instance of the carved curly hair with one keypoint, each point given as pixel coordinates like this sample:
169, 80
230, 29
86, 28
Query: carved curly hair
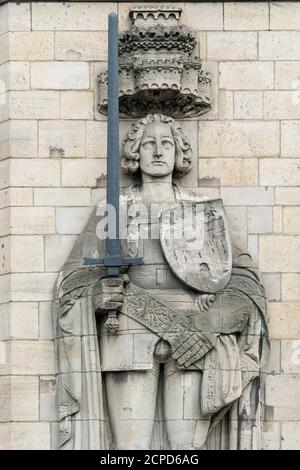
132, 141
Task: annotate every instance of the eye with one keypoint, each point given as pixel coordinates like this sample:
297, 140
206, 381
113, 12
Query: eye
167, 144
148, 145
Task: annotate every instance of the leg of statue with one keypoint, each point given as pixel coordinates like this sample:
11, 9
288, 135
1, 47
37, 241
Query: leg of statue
131, 398
182, 407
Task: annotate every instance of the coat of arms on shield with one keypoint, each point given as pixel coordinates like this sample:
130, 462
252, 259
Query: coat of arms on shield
196, 243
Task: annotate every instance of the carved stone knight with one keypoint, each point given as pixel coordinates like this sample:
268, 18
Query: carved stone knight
183, 370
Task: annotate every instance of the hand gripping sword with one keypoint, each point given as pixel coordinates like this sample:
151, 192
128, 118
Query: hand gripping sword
113, 259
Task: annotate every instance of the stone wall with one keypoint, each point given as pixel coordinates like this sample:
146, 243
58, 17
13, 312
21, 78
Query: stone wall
52, 163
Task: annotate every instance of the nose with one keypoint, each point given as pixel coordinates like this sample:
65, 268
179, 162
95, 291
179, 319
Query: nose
158, 150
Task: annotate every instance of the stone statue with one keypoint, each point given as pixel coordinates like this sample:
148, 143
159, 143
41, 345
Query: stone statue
183, 369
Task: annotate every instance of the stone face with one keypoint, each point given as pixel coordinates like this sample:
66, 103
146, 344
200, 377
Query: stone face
246, 75
232, 46
287, 246
231, 171
66, 138
238, 139
246, 16
60, 75
81, 45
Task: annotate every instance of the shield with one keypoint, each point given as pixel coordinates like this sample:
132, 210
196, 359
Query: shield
196, 243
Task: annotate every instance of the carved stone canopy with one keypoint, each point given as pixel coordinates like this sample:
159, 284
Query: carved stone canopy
158, 69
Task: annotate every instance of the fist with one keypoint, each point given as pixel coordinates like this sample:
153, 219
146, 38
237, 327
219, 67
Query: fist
205, 301
111, 293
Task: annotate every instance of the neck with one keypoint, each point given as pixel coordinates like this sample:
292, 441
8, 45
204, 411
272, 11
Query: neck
157, 189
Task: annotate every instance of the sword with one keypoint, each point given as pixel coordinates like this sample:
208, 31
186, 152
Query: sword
113, 261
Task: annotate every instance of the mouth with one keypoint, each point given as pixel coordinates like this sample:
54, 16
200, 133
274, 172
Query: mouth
157, 163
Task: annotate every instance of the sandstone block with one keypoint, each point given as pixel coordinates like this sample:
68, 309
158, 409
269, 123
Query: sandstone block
277, 219
32, 220
287, 75
260, 219
66, 137
231, 171
15, 17
32, 357
291, 220
71, 16
290, 356
37, 172
290, 435
82, 172
24, 398
246, 16
4, 174
27, 253
279, 253
15, 75
32, 287
290, 139
20, 196
252, 196
77, 105
237, 219
238, 139
284, 15
225, 110
248, 105
279, 172
274, 362
253, 75
24, 320
18, 139
287, 196
27, 436
291, 287
60, 75
4, 222
31, 45
71, 220
81, 45
282, 394
281, 105
96, 133
279, 45
5, 255
34, 105
62, 197
284, 320
48, 404
58, 247
253, 247
46, 320
232, 46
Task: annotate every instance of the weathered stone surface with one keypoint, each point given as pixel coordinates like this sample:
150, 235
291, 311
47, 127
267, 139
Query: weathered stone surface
290, 138
231, 171
290, 356
290, 435
4, 174
71, 220
250, 75
284, 15
281, 105
31, 45
24, 320
252, 196
81, 45
232, 46
277, 219
62, 196
48, 398
246, 16
32, 357
96, 139
35, 172
282, 393
225, 110
287, 246
46, 320
25, 436
5, 255
237, 219
18, 139
238, 139
248, 105
287, 75
27, 253
34, 105
284, 320
77, 105
24, 398
32, 220
15, 17
287, 196
58, 247
274, 362
291, 220
4, 222
271, 435
71, 16
279, 45
60, 75
291, 287
82, 172
280, 172
64, 138
15, 75
32, 287
260, 219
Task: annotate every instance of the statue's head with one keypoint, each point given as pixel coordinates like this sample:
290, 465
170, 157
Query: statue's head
157, 146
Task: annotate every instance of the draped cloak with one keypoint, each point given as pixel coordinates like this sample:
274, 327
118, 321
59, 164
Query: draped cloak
82, 420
